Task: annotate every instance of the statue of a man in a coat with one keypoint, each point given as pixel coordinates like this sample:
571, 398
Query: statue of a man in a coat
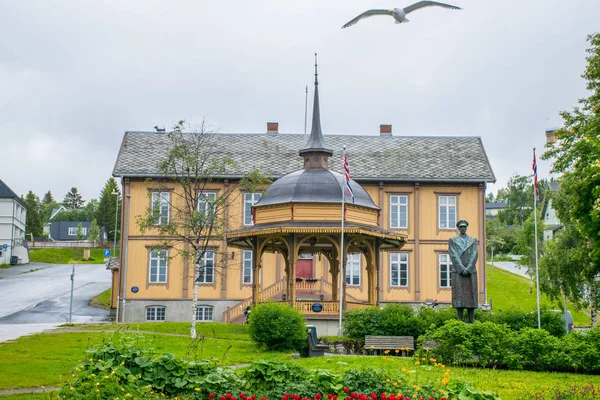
463, 254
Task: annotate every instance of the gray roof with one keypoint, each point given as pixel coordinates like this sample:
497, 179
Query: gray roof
381, 158
496, 206
316, 185
7, 193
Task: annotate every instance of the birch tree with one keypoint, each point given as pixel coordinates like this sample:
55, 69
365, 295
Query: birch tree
190, 219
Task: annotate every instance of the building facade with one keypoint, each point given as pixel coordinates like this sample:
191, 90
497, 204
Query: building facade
418, 188
13, 214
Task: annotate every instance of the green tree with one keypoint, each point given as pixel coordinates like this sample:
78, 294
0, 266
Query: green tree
79, 232
33, 223
90, 209
576, 155
72, 215
195, 219
48, 204
94, 232
518, 195
73, 199
107, 208
526, 243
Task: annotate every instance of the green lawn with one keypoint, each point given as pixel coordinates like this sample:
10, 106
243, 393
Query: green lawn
46, 359
507, 290
102, 300
66, 256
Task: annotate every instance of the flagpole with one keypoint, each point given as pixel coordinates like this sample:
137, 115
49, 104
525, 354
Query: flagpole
342, 274
537, 277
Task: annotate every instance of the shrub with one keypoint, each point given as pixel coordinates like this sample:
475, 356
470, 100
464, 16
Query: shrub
517, 320
365, 380
277, 326
274, 378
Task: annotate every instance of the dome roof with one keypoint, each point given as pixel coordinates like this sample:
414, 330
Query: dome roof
315, 185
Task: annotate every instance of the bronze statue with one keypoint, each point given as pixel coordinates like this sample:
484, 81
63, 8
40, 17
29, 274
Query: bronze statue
463, 254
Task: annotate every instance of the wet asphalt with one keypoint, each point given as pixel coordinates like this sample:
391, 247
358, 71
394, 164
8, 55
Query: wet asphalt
37, 296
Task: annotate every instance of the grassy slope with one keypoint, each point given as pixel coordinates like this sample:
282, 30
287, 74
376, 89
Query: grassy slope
507, 290
66, 256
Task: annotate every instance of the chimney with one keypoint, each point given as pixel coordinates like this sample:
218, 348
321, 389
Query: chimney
272, 127
385, 130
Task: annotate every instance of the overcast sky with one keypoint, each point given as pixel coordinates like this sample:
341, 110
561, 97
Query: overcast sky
75, 75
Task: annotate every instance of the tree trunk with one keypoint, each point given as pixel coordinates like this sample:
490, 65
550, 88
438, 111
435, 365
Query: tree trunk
194, 301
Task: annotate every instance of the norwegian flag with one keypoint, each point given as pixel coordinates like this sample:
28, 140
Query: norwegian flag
535, 180
347, 170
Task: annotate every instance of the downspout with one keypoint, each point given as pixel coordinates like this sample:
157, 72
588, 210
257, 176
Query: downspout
12, 231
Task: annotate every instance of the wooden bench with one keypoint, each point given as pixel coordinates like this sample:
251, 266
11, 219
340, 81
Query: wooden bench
404, 344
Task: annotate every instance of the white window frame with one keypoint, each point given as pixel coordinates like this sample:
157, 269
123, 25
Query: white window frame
444, 268
204, 313
208, 265
447, 203
399, 206
203, 203
73, 231
249, 200
158, 260
399, 265
161, 200
353, 269
159, 313
247, 278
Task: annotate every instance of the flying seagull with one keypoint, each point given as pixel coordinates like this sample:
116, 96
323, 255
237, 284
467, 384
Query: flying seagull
399, 14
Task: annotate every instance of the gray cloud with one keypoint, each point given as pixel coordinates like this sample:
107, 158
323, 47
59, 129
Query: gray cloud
75, 75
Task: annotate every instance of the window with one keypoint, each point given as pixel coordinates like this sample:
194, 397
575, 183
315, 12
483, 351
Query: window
249, 200
207, 203
156, 313
160, 207
207, 269
399, 269
353, 269
204, 313
158, 266
399, 212
73, 231
445, 274
447, 212
247, 267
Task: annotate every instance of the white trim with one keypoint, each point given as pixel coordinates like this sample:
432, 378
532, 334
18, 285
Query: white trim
205, 313
448, 204
401, 202
208, 264
160, 259
353, 268
157, 311
247, 267
249, 200
161, 200
401, 262
445, 264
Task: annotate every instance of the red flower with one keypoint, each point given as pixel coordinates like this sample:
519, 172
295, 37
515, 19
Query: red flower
401, 397
354, 395
329, 396
253, 397
348, 398
382, 396
264, 398
335, 397
211, 396
373, 395
223, 398
318, 396
346, 390
228, 396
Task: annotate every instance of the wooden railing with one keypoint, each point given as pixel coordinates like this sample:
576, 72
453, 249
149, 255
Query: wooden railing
354, 305
328, 290
235, 311
329, 307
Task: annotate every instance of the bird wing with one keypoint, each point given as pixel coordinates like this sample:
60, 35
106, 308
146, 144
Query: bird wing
366, 14
422, 4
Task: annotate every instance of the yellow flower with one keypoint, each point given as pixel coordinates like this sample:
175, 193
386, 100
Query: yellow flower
399, 380
396, 351
417, 363
404, 370
71, 388
443, 366
424, 359
97, 383
97, 390
387, 352
447, 373
445, 381
387, 380
395, 384
122, 363
432, 359
372, 347
197, 389
91, 360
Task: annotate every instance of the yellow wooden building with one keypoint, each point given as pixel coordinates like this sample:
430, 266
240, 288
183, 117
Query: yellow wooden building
409, 192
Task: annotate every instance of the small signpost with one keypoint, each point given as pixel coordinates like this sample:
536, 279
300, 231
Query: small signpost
106, 252
317, 307
5, 246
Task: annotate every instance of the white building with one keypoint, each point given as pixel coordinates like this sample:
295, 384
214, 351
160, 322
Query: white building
551, 222
13, 213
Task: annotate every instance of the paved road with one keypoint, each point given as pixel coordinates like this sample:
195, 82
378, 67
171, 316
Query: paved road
511, 266
36, 297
